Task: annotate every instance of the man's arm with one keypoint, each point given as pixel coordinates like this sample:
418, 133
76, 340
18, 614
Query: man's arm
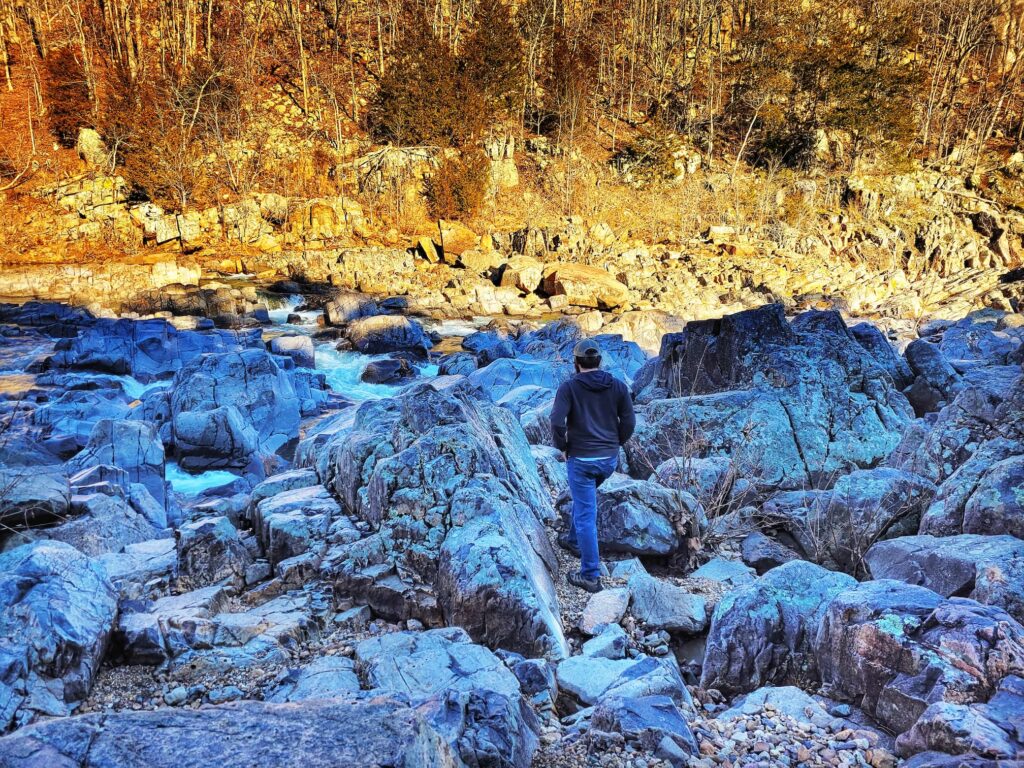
559, 417
627, 418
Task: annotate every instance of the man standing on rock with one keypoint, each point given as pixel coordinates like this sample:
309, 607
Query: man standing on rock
591, 418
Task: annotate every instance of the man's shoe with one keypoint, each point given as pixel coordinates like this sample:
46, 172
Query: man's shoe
565, 542
590, 585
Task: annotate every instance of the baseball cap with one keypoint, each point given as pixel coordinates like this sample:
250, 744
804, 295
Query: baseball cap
587, 348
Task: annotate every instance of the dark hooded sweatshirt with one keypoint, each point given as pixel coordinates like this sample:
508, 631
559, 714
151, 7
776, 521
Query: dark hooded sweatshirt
592, 416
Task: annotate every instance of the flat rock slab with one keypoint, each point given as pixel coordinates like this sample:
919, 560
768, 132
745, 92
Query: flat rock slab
320, 734
432, 662
731, 573
592, 679
787, 699
141, 562
605, 607
664, 605
195, 628
328, 677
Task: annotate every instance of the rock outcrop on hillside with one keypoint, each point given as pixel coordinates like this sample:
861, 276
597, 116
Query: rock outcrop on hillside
921, 242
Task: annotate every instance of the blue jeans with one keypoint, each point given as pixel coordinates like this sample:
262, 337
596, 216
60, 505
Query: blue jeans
584, 479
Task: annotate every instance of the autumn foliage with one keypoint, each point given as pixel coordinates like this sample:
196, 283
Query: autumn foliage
457, 187
67, 94
185, 93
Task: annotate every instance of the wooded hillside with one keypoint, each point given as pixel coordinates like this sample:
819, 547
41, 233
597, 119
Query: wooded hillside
192, 96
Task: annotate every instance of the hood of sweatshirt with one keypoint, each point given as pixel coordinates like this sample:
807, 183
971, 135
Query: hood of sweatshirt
595, 381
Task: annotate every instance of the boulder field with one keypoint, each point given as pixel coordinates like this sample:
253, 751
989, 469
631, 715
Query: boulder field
214, 550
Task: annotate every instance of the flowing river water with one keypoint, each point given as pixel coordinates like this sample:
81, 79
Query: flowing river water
343, 370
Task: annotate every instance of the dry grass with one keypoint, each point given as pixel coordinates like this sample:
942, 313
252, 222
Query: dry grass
755, 202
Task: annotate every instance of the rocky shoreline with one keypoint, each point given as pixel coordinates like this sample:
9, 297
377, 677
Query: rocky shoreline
874, 258
321, 531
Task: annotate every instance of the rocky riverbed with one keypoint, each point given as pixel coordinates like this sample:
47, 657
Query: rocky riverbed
321, 531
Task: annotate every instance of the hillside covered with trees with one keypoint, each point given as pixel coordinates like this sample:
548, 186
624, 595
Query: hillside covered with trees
201, 99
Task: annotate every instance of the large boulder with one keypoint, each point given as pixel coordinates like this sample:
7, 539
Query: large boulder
346, 306
523, 272
145, 349
879, 347
936, 382
661, 604
979, 416
997, 503
987, 482
621, 358
249, 381
763, 633
29, 496
554, 342
54, 318
894, 649
219, 438
752, 428
381, 334
956, 565
504, 375
992, 728
708, 480
497, 727
390, 371
645, 327
133, 446
643, 518
451, 491
296, 346
982, 338
528, 397
645, 722
584, 285
837, 527
58, 611
295, 521
794, 406
210, 551
456, 239
381, 731
763, 553
67, 420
